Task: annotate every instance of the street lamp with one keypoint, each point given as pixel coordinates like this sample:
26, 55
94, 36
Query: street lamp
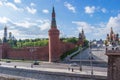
91, 59
31, 51
80, 60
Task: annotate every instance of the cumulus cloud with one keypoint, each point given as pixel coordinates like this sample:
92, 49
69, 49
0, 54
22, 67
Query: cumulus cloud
44, 24
4, 20
31, 10
70, 7
11, 5
32, 29
114, 22
90, 9
103, 10
25, 24
1, 3
1, 33
45, 11
32, 4
88, 28
17, 1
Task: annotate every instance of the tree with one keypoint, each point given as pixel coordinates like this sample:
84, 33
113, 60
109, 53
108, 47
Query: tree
71, 40
86, 43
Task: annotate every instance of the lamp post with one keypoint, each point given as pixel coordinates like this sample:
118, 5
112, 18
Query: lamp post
91, 59
32, 57
80, 60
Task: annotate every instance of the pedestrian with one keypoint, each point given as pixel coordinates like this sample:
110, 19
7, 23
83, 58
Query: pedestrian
15, 66
80, 68
31, 65
72, 69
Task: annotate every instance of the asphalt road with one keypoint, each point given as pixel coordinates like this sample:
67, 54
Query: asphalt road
99, 57
61, 66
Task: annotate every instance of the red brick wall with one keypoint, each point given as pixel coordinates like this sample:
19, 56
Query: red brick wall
38, 53
0, 51
66, 47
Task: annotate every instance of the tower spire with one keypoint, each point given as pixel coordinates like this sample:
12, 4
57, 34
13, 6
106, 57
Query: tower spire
53, 11
82, 31
5, 35
111, 30
53, 22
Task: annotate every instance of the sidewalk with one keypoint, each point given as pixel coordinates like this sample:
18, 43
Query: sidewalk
59, 70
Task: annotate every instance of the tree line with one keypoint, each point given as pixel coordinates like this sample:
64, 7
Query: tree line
39, 42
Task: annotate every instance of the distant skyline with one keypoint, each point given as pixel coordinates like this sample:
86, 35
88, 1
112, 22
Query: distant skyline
32, 18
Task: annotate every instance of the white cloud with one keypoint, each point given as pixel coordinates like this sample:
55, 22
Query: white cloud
45, 11
70, 7
90, 10
103, 10
1, 33
31, 29
4, 19
11, 5
17, 1
88, 28
15, 32
32, 4
31, 10
114, 22
44, 24
25, 24
1, 3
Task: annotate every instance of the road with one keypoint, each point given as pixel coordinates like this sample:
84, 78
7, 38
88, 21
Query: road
46, 65
98, 54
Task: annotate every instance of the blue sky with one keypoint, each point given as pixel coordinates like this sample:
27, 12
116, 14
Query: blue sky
32, 18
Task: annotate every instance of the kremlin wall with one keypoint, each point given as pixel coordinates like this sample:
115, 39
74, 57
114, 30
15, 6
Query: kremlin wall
50, 53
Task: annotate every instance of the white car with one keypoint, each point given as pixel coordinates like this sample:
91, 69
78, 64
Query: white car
73, 64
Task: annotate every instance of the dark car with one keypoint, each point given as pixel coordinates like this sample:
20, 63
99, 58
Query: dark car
36, 63
8, 61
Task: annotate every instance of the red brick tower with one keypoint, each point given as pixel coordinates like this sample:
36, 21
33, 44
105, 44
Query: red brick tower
54, 41
5, 46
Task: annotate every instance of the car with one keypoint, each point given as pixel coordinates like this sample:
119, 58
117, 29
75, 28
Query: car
36, 63
74, 65
8, 61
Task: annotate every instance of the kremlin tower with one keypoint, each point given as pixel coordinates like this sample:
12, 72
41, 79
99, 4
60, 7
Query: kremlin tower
81, 38
54, 41
4, 45
5, 35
